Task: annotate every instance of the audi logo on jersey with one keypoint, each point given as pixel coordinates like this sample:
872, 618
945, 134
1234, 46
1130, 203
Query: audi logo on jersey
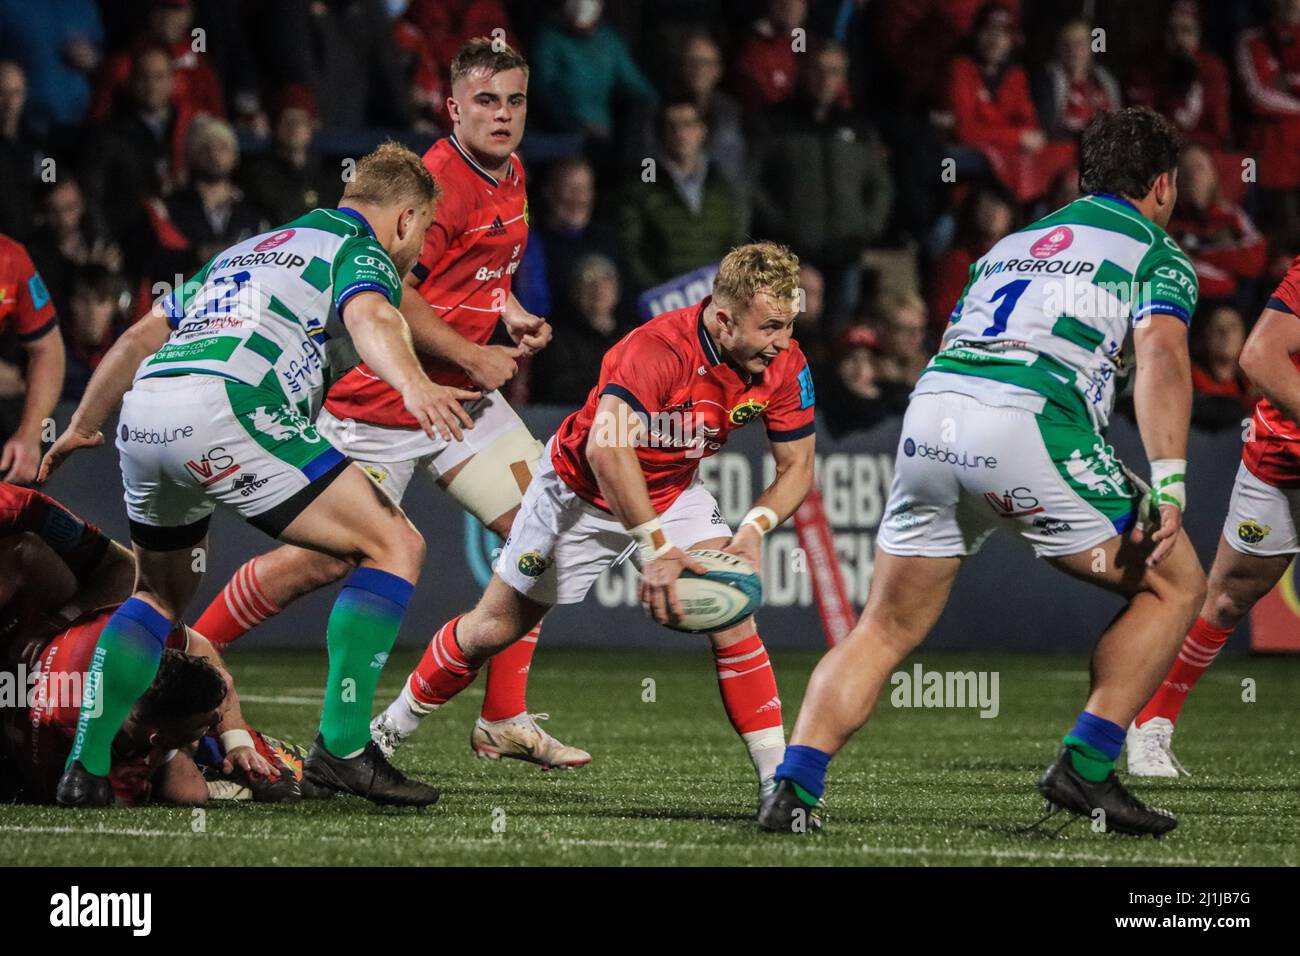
1052, 243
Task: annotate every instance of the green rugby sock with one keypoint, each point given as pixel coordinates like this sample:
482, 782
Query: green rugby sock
361, 630
1087, 760
123, 666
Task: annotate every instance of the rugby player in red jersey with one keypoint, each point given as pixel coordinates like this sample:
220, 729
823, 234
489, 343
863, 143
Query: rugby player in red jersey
54, 565
60, 579
1261, 533
624, 469
25, 308
463, 280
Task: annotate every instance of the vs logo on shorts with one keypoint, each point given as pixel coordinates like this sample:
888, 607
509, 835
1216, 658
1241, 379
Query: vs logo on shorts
215, 464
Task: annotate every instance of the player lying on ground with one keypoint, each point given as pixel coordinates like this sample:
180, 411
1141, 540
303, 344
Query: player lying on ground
1260, 534
623, 469
52, 563
458, 291
190, 708
229, 372
1003, 429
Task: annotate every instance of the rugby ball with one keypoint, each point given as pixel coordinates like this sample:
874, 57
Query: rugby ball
724, 595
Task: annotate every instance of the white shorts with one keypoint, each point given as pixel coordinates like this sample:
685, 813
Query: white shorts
965, 468
189, 442
560, 543
391, 456
1261, 517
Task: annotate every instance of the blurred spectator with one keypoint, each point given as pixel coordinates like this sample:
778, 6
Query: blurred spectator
580, 69
290, 180
821, 182
1185, 82
20, 155
567, 232
1268, 61
766, 65
70, 238
196, 88
27, 396
448, 24
856, 398
95, 319
58, 43
211, 212
1221, 394
919, 38
900, 324
688, 215
1224, 245
425, 79
140, 151
564, 375
986, 216
992, 111
808, 330
344, 51
697, 73
1073, 88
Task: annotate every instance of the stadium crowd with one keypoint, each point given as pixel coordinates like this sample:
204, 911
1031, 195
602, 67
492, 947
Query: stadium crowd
889, 143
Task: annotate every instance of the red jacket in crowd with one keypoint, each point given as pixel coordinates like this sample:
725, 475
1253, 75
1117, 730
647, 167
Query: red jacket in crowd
198, 90
920, 37
1268, 62
1198, 109
1223, 244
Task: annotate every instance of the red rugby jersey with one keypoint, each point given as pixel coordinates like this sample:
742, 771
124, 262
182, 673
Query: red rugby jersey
51, 720
25, 303
470, 255
671, 373
80, 544
1274, 454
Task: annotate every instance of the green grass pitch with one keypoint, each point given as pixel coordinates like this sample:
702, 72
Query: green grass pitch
671, 785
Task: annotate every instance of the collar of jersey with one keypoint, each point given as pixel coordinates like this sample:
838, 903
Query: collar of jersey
349, 211
706, 343
1113, 197
473, 163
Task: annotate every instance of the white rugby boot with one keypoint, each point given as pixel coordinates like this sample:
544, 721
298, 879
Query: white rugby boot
1150, 749
519, 738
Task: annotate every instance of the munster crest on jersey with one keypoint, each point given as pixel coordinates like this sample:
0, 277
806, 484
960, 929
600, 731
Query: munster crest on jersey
747, 411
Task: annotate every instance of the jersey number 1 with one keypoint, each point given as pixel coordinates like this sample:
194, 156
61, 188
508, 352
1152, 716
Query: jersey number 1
1009, 294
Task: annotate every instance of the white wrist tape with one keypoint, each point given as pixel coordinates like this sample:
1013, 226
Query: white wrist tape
236, 738
651, 541
1167, 483
763, 519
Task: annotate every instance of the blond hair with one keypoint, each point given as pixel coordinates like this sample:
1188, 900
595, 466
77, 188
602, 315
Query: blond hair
757, 267
392, 175
485, 53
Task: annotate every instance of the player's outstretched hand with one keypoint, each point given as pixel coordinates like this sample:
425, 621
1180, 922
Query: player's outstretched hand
1163, 537
495, 365
659, 584
747, 543
438, 408
71, 440
249, 763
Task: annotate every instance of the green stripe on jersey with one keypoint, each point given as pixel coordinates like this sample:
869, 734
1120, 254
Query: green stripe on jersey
263, 347
1100, 213
1081, 334
317, 274
1043, 376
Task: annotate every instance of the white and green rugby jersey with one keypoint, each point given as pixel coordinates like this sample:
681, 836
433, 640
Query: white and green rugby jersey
265, 312
1046, 312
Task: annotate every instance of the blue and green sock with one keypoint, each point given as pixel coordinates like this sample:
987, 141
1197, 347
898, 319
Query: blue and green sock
123, 666
1094, 745
805, 767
